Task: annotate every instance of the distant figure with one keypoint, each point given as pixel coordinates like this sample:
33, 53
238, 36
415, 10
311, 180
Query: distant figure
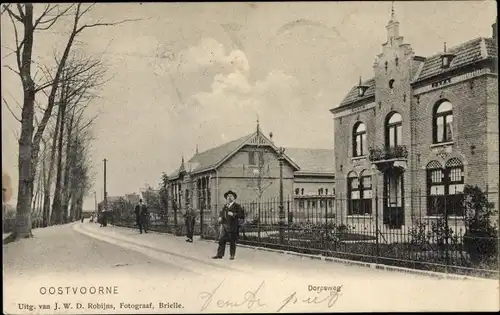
104, 217
141, 216
229, 218
190, 218
82, 218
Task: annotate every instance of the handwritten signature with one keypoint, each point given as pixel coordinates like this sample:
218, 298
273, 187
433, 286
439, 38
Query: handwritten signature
330, 299
249, 299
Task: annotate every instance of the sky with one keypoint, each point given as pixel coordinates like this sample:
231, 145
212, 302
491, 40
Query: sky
200, 74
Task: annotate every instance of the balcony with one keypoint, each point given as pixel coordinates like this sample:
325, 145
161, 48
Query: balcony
389, 156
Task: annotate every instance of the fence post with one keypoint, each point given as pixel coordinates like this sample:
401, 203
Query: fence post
290, 220
377, 247
259, 218
446, 243
201, 220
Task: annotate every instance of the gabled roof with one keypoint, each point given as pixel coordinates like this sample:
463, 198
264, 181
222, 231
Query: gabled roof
313, 160
467, 53
210, 158
214, 157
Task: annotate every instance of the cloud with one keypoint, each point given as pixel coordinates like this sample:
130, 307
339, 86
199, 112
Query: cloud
229, 95
234, 102
207, 53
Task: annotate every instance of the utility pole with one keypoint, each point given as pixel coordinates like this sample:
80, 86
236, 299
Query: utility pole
281, 208
105, 191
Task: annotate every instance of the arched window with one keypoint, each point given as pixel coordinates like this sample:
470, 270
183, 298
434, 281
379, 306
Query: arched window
365, 189
435, 188
359, 139
394, 130
445, 187
454, 170
443, 122
353, 194
297, 191
302, 191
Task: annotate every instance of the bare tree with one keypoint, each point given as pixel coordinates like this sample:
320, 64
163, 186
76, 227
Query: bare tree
81, 175
75, 95
29, 140
49, 168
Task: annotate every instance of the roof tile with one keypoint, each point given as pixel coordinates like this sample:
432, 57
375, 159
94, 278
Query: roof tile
466, 53
353, 95
312, 160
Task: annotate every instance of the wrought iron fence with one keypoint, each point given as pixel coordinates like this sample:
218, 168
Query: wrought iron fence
404, 232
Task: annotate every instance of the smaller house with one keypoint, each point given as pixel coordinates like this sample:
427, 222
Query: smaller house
250, 166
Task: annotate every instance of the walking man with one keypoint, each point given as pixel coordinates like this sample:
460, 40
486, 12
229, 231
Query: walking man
141, 216
190, 218
229, 219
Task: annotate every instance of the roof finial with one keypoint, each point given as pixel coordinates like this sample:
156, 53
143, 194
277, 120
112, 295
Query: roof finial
359, 81
182, 168
197, 148
258, 126
393, 13
444, 46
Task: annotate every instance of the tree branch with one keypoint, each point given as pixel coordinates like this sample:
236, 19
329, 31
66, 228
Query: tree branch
10, 110
11, 69
50, 21
5, 7
16, 36
91, 120
106, 24
20, 9
12, 14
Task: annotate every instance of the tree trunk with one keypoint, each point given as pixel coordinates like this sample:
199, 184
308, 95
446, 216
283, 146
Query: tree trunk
67, 168
56, 204
74, 193
48, 183
79, 206
25, 184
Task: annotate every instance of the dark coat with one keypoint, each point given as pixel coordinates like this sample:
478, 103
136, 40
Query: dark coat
141, 212
232, 223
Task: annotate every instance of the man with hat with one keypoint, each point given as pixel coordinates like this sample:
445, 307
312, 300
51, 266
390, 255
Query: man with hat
141, 216
229, 219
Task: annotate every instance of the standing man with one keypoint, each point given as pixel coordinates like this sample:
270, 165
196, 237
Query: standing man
141, 216
229, 219
190, 218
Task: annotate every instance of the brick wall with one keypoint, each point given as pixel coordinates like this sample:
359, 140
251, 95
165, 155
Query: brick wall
475, 129
492, 138
470, 133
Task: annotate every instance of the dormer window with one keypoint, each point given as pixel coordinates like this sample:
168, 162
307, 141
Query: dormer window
446, 58
361, 88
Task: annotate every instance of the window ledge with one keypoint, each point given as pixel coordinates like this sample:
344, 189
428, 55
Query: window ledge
356, 158
442, 144
360, 216
452, 217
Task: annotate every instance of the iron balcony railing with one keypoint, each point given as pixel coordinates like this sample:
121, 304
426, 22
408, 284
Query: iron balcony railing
388, 153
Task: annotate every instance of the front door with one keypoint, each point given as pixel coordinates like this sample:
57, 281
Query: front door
393, 198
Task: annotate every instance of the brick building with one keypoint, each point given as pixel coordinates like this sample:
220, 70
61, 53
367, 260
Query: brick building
418, 131
250, 167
